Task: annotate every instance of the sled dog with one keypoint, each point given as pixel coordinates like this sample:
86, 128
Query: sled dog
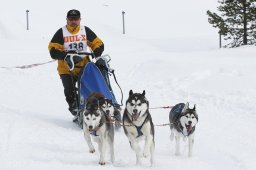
96, 128
113, 114
138, 125
183, 122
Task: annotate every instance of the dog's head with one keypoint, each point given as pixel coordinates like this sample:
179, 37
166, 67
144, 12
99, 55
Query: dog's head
108, 109
137, 104
92, 114
92, 119
189, 117
94, 101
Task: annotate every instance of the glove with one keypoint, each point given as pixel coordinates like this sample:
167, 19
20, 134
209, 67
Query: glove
72, 60
77, 59
101, 63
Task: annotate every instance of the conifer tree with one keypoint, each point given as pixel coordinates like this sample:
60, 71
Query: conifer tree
237, 21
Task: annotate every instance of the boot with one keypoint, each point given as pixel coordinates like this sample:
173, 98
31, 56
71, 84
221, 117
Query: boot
73, 108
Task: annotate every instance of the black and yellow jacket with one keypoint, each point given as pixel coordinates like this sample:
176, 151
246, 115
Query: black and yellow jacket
56, 48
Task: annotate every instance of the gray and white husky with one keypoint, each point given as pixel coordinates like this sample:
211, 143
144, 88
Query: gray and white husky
96, 128
138, 125
183, 122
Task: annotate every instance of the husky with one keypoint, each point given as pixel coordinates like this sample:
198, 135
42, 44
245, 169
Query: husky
113, 114
138, 125
183, 122
96, 128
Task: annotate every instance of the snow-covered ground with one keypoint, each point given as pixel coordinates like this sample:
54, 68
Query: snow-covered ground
169, 50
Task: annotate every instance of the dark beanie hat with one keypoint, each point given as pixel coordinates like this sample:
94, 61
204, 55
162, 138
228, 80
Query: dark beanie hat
73, 13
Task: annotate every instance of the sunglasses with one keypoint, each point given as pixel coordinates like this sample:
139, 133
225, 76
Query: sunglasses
73, 19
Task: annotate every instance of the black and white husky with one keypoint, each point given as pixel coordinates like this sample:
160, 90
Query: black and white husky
96, 128
183, 122
138, 125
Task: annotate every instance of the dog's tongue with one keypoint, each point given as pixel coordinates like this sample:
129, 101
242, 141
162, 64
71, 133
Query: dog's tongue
189, 128
135, 116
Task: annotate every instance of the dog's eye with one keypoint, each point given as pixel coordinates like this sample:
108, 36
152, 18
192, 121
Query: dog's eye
186, 116
87, 118
132, 104
94, 118
193, 117
139, 104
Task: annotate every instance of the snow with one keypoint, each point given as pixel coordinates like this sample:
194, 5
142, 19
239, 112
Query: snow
169, 50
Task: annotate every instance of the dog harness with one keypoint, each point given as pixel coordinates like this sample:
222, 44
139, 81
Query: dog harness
138, 128
94, 131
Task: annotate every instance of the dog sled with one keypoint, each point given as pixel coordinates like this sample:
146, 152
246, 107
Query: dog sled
93, 79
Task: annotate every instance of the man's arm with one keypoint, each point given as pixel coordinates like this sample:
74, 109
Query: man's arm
94, 42
56, 47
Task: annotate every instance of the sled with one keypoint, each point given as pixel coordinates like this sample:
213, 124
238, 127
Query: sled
93, 79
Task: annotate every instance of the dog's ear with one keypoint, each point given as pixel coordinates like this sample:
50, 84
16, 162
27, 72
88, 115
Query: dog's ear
143, 93
110, 101
185, 107
194, 107
101, 101
130, 93
87, 105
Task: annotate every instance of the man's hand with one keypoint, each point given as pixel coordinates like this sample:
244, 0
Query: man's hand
101, 63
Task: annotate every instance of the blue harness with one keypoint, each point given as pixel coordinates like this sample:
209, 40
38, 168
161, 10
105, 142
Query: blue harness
94, 133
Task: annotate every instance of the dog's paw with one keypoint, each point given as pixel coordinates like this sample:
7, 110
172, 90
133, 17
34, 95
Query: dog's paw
146, 153
102, 162
92, 150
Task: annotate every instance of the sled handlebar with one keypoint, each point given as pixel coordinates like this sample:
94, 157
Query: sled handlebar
86, 53
80, 53
107, 59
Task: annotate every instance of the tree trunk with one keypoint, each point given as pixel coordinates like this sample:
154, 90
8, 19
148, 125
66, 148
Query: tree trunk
245, 23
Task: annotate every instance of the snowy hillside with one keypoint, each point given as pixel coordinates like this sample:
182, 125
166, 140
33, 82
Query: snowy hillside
169, 50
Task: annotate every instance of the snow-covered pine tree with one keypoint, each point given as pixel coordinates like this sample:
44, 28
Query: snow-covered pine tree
237, 21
